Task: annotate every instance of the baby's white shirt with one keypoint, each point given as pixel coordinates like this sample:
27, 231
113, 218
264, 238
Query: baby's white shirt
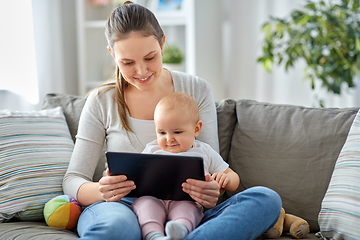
213, 162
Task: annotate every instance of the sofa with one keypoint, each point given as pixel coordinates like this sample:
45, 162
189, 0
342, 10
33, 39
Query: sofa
290, 149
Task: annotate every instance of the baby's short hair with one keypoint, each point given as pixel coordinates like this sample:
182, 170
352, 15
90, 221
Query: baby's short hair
180, 101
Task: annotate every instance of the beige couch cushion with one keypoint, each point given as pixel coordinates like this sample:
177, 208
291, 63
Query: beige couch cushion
290, 149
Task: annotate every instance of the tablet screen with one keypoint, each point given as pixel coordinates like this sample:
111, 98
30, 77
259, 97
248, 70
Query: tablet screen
156, 175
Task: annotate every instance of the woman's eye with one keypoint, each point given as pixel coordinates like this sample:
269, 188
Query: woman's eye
149, 59
127, 63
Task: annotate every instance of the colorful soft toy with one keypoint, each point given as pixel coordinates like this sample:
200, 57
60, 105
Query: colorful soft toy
296, 226
62, 212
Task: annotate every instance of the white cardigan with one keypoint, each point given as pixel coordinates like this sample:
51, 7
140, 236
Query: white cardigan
99, 123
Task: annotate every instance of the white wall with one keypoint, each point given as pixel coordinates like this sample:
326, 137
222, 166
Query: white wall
237, 75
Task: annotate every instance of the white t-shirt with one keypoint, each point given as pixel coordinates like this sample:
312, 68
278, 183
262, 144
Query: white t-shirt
213, 162
141, 129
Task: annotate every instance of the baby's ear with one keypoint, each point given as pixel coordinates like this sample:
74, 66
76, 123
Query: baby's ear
198, 127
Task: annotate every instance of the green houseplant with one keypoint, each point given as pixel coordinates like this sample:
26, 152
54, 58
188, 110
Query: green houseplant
172, 54
325, 35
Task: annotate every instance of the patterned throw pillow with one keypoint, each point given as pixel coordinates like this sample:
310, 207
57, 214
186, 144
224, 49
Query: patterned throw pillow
339, 217
35, 149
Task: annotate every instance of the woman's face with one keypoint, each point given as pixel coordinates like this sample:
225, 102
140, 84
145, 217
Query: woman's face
139, 59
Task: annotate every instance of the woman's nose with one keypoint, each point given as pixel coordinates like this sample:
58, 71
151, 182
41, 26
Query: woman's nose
141, 69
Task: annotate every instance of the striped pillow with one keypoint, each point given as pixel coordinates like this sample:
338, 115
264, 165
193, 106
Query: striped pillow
339, 217
35, 149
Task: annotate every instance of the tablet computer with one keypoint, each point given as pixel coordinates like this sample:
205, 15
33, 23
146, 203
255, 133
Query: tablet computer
156, 175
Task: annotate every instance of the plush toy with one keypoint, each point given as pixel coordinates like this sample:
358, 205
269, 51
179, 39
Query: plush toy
296, 226
62, 212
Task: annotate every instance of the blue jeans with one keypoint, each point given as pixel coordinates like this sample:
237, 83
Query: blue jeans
246, 215
109, 220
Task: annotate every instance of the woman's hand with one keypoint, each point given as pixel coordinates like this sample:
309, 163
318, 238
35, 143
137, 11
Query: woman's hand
204, 192
113, 188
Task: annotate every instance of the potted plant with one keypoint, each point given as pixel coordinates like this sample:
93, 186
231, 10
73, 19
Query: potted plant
172, 57
325, 35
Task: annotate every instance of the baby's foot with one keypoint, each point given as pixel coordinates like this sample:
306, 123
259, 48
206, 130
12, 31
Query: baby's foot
156, 236
176, 231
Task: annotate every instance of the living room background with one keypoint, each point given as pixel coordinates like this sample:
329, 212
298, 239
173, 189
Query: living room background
241, 77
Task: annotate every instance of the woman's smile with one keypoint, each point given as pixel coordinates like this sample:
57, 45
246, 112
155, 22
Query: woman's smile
144, 80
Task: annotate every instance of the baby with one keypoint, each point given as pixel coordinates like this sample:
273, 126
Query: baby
177, 124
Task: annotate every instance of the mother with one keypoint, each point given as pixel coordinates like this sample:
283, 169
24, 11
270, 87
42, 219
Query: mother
120, 114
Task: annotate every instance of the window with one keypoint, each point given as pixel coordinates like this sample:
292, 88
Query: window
18, 72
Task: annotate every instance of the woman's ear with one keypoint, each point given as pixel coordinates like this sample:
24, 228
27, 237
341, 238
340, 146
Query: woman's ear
109, 49
198, 127
162, 44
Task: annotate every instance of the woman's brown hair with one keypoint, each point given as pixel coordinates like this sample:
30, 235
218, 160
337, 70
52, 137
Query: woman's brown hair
123, 21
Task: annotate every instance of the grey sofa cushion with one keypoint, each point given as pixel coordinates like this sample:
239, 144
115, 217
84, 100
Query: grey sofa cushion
290, 149
226, 118
34, 231
71, 105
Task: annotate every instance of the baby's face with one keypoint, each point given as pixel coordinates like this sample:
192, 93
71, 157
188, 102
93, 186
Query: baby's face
175, 131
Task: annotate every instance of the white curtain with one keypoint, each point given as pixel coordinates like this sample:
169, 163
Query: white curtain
244, 77
18, 75
55, 44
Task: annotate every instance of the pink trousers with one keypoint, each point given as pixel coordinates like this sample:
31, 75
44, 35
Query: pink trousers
153, 213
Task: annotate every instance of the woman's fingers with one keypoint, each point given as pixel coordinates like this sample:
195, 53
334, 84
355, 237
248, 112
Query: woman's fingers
204, 192
113, 188
115, 197
107, 180
207, 201
115, 194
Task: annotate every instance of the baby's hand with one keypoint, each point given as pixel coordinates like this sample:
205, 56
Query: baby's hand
222, 178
